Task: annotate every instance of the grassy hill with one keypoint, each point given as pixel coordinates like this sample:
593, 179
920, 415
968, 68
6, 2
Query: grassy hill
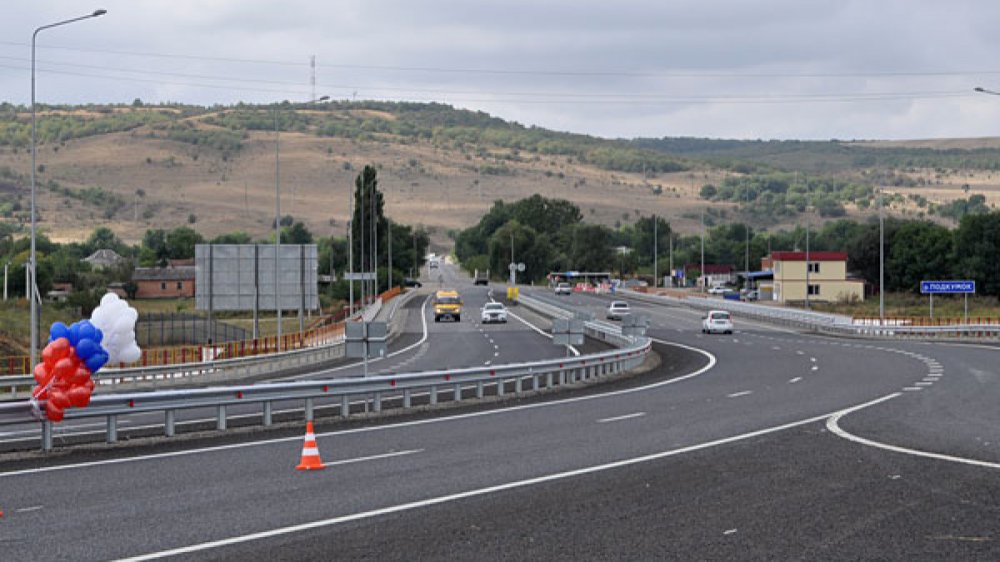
139, 167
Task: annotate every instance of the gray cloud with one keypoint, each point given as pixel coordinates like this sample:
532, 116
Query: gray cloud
774, 69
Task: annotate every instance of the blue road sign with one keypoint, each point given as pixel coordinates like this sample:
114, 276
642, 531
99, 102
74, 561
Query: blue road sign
938, 287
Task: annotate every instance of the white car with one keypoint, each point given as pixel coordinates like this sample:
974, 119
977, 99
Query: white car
618, 310
718, 290
718, 321
494, 312
564, 289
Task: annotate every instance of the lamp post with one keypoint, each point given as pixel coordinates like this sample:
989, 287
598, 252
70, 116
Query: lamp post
31, 261
277, 213
881, 260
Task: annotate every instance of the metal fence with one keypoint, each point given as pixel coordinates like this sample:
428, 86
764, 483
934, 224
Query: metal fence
158, 329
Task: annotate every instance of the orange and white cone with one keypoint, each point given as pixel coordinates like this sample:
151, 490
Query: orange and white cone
310, 452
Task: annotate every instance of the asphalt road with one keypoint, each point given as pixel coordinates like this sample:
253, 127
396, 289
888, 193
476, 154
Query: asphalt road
765, 444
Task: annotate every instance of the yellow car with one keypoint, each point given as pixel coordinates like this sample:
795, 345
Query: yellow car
447, 304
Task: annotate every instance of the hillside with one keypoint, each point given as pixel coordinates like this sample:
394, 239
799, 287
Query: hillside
140, 167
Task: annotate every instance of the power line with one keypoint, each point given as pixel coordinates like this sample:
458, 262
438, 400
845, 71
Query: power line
533, 72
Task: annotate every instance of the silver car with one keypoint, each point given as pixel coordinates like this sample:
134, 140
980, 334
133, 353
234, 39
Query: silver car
618, 310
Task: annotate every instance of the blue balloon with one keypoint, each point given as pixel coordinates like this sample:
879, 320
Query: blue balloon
87, 330
86, 349
98, 335
74, 334
96, 361
58, 330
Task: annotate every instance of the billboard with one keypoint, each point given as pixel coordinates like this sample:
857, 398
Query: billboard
242, 277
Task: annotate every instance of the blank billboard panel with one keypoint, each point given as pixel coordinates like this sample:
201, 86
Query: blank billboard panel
238, 276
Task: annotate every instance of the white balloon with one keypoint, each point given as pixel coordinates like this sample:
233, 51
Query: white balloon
116, 319
131, 354
109, 298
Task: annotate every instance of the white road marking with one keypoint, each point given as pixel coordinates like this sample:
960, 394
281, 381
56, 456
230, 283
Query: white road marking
800, 352
738, 394
775, 348
833, 425
814, 368
812, 359
795, 380
496, 354
922, 383
28, 509
711, 363
912, 388
729, 532
373, 457
491, 489
620, 418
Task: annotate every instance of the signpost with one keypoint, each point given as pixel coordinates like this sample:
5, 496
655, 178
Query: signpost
932, 288
365, 339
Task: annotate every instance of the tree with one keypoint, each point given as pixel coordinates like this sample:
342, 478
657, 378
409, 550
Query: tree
977, 251
590, 249
920, 251
103, 238
181, 242
297, 234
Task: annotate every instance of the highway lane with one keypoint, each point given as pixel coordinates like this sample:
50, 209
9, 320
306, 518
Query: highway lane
736, 461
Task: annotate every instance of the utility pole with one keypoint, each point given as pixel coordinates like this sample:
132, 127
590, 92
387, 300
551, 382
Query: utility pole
671, 258
388, 224
5, 266
881, 261
277, 222
513, 268
703, 249
656, 271
808, 264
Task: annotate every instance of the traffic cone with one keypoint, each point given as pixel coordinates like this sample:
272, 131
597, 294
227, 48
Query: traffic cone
310, 452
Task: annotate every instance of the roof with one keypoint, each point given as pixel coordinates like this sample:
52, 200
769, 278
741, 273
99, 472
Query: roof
183, 273
104, 256
813, 256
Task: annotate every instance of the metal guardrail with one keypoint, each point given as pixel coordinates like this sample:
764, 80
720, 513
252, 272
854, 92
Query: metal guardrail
520, 376
833, 324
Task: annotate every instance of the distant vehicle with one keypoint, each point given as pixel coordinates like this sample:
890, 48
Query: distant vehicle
717, 321
494, 312
433, 264
564, 289
410, 282
481, 278
618, 310
751, 295
447, 304
718, 290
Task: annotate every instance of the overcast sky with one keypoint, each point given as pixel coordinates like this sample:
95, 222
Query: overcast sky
863, 69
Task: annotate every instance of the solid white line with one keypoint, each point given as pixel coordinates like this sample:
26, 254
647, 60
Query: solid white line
373, 457
27, 509
484, 491
738, 394
423, 319
620, 418
572, 349
710, 365
833, 425
912, 388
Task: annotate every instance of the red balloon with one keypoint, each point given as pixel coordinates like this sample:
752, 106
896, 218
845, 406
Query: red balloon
42, 374
64, 368
80, 376
60, 348
58, 398
48, 356
90, 384
79, 396
40, 392
53, 412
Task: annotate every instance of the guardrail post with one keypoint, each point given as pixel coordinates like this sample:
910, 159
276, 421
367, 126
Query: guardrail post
534, 382
267, 413
168, 423
377, 402
345, 406
46, 435
407, 398
458, 392
434, 395
112, 431
517, 384
220, 417
309, 409
548, 380
562, 377
499, 387
479, 390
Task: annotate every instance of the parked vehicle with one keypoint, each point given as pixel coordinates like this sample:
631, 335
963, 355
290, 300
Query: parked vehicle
480, 278
494, 312
447, 304
564, 289
618, 310
718, 290
410, 282
717, 321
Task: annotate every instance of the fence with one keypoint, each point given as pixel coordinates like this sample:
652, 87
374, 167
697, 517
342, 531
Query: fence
181, 328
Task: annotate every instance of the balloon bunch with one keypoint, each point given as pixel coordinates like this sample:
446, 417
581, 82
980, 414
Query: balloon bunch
64, 375
76, 352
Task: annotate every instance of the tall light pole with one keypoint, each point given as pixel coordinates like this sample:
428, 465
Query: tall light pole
703, 250
656, 271
277, 213
808, 265
881, 261
31, 261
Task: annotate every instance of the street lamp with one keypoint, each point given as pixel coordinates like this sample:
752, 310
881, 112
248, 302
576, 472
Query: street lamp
277, 212
31, 260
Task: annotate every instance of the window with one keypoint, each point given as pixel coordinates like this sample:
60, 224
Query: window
813, 289
163, 285
813, 267
180, 284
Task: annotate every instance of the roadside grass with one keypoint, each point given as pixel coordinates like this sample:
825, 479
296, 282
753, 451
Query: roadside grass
909, 305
